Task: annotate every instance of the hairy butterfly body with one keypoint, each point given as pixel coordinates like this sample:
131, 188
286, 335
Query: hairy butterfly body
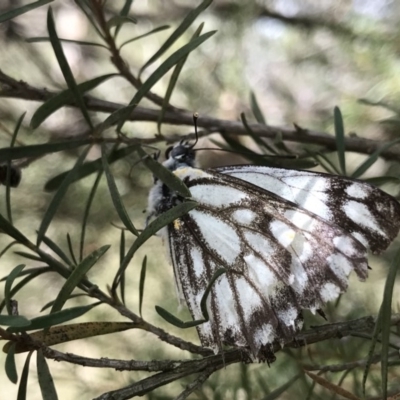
287, 239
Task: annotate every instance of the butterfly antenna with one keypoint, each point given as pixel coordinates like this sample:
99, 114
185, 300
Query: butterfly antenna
195, 117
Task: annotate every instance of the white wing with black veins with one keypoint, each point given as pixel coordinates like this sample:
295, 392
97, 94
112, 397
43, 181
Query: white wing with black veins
288, 240
370, 215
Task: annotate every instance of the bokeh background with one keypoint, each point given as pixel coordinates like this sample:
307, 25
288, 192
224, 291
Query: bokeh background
299, 58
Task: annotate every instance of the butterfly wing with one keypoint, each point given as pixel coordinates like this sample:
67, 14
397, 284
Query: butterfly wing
279, 260
369, 214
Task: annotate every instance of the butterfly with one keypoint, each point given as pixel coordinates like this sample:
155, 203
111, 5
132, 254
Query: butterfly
286, 239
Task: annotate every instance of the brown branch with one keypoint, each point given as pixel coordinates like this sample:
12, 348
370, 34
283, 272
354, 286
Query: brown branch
18, 89
171, 370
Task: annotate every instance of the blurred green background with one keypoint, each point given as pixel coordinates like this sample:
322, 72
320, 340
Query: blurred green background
299, 58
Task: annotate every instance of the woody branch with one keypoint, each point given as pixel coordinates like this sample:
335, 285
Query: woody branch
12, 88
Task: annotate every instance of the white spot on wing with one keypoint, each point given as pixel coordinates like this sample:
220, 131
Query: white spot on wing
249, 298
260, 274
358, 191
216, 195
301, 220
264, 335
340, 265
191, 173
359, 213
261, 245
299, 277
329, 292
198, 264
345, 245
301, 248
225, 303
309, 192
283, 233
244, 216
288, 316
218, 235
361, 238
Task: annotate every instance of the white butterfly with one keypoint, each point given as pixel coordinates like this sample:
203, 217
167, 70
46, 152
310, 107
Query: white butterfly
287, 239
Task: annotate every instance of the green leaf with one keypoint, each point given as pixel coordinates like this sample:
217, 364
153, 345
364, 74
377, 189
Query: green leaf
8, 177
7, 287
41, 39
187, 21
58, 197
22, 10
7, 228
11, 369
90, 167
14, 320
71, 249
76, 277
121, 258
381, 180
386, 320
256, 109
32, 275
38, 150
203, 305
64, 66
72, 296
113, 118
24, 379
324, 161
262, 143
54, 264
176, 321
46, 382
161, 221
160, 72
340, 140
53, 246
66, 97
372, 159
172, 82
124, 12
29, 256
4, 251
165, 175
119, 20
371, 352
59, 317
86, 213
275, 394
141, 284
115, 196
158, 29
203, 302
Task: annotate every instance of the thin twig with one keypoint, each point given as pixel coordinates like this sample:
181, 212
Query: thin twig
18, 89
195, 384
350, 365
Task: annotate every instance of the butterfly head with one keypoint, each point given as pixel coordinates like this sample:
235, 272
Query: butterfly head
180, 156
